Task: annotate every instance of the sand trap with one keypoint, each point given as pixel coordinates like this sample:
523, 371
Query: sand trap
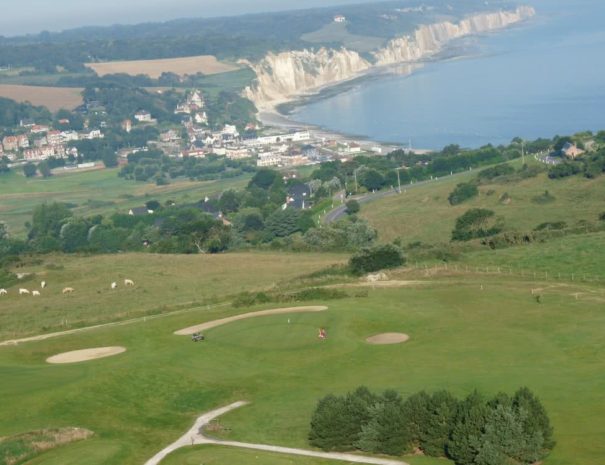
85, 355
277, 311
388, 338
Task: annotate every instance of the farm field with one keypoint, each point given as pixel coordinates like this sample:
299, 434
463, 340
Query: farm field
164, 283
462, 338
424, 213
95, 192
337, 32
205, 64
54, 98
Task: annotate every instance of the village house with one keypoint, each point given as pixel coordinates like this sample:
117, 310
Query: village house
340, 19
299, 197
201, 118
570, 150
39, 129
54, 137
193, 153
268, 159
143, 116
127, 125
170, 136
237, 153
92, 134
69, 136
10, 143
41, 142
23, 141
139, 211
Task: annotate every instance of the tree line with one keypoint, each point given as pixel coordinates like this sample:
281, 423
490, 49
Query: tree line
502, 430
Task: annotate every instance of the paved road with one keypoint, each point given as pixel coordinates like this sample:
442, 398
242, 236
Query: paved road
196, 436
340, 211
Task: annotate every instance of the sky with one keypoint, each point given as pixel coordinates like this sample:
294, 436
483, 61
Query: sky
31, 16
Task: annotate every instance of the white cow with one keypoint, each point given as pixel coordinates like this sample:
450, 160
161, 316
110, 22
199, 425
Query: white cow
68, 290
36, 293
114, 285
3, 292
23, 292
128, 282
43, 284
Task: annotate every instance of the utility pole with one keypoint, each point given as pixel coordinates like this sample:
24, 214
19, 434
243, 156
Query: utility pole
398, 180
355, 175
523, 151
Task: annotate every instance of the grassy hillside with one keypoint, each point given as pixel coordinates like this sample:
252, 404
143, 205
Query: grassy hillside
462, 338
94, 192
424, 213
163, 283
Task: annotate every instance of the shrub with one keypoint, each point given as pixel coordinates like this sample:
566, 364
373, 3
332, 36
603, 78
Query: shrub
353, 207
544, 198
476, 223
463, 192
376, 258
552, 225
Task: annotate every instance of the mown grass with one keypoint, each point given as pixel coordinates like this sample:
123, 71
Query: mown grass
164, 283
94, 192
462, 338
424, 213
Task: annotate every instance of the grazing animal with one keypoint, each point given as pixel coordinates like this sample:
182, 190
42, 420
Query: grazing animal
43, 284
3, 292
114, 285
68, 290
36, 293
23, 292
128, 282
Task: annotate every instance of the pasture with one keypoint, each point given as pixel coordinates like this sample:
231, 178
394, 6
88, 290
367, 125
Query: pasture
54, 98
205, 64
338, 32
424, 214
462, 338
163, 283
95, 192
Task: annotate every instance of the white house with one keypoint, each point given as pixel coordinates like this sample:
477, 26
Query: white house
268, 159
143, 116
340, 19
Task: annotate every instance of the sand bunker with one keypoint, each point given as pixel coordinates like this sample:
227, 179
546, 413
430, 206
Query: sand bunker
277, 311
85, 355
388, 338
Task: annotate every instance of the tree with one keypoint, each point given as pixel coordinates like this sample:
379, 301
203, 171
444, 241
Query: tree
469, 422
48, 219
376, 258
74, 235
44, 169
283, 223
4, 168
109, 158
372, 180
387, 430
436, 432
265, 178
328, 424
229, 201
353, 207
29, 170
152, 205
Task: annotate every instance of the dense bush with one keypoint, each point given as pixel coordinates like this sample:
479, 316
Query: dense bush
462, 193
475, 431
476, 223
353, 207
376, 258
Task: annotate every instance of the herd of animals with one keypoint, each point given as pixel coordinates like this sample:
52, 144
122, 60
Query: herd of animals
66, 290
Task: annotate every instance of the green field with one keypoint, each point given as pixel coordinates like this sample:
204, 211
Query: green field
462, 338
164, 283
424, 213
338, 33
94, 192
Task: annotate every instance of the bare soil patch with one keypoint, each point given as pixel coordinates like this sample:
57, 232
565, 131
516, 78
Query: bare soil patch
206, 64
388, 338
54, 98
85, 355
277, 311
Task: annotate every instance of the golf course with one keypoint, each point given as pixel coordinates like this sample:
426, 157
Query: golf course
466, 331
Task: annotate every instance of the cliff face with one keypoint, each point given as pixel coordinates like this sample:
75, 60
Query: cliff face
430, 39
288, 75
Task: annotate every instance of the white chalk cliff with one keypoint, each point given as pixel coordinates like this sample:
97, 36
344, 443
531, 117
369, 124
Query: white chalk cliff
286, 76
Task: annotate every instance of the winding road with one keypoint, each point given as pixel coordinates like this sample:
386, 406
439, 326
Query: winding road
195, 436
340, 211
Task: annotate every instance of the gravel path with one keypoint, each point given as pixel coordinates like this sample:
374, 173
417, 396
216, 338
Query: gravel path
276, 311
195, 437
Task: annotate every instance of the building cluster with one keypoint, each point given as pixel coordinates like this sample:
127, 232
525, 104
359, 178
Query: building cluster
39, 142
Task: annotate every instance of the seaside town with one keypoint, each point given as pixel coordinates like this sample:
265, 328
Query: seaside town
266, 146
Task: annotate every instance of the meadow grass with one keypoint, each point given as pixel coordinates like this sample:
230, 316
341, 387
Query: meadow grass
462, 338
95, 192
164, 283
424, 213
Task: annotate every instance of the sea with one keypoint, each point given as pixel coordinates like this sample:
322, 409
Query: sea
542, 78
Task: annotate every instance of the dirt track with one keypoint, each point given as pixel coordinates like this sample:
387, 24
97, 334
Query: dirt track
196, 436
277, 311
